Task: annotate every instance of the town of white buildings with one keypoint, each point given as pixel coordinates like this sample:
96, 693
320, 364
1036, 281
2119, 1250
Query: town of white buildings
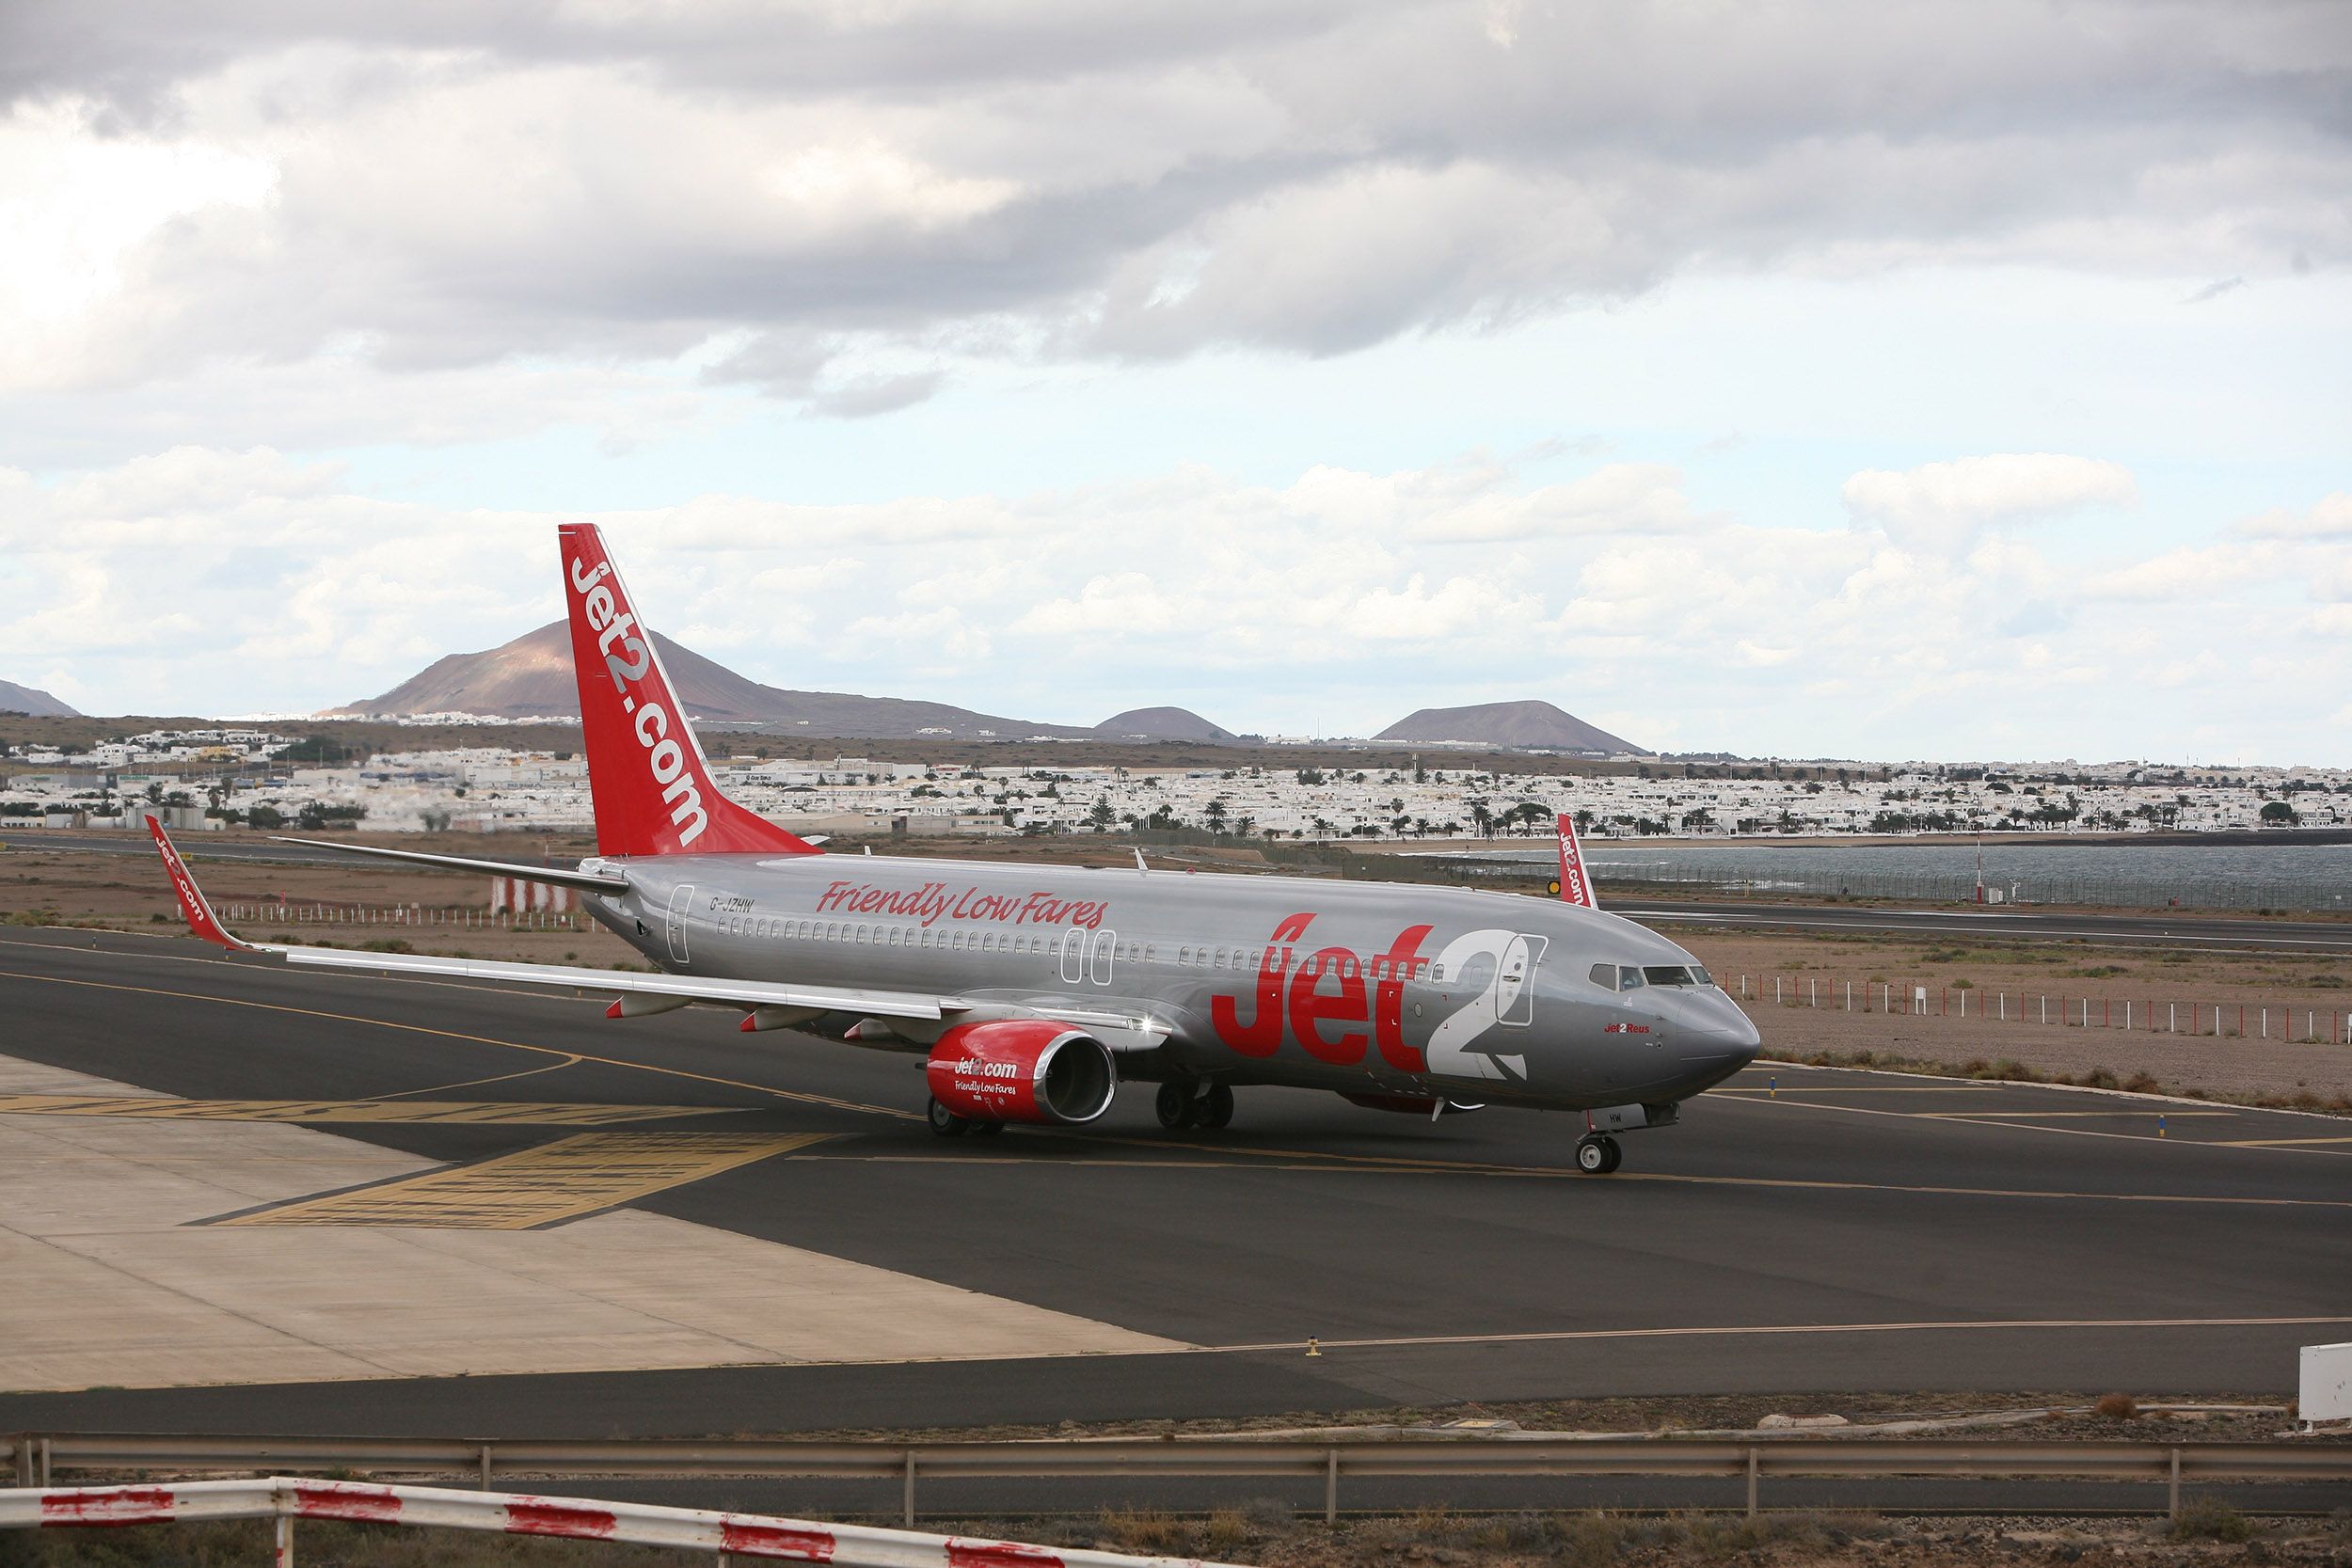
217, 777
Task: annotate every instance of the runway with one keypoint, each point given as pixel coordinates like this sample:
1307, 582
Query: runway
2182, 928
1849, 1232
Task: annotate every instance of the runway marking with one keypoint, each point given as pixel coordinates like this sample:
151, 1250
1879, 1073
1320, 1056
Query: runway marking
1553, 1336
801, 1096
2044, 1116
570, 1059
1869, 1088
534, 1188
1374, 1164
2285, 1146
512, 1112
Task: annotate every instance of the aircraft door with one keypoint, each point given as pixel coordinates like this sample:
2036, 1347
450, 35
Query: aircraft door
1102, 954
1073, 958
681, 899
1514, 980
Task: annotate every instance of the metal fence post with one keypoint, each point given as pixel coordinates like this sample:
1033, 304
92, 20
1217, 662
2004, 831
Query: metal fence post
284, 1535
43, 1468
23, 1445
1330, 1486
2172, 1493
906, 1502
483, 1471
1752, 1480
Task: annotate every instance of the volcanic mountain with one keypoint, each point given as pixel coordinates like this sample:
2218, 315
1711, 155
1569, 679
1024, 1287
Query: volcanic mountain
1527, 726
1160, 723
32, 701
531, 678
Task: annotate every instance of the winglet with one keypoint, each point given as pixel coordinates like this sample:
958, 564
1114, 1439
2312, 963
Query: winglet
1575, 886
194, 906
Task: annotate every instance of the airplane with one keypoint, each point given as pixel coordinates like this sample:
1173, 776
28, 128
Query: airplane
1033, 991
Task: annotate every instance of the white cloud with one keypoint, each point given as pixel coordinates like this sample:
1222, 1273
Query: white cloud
1938, 507
199, 581
621, 187
2329, 517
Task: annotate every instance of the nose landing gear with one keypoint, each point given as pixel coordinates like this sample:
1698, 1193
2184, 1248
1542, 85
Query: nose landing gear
1181, 1104
1597, 1154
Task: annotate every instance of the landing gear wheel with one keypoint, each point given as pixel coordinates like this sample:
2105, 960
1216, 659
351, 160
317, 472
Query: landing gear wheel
945, 1122
1176, 1106
987, 1129
1597, 1154
1216, 1106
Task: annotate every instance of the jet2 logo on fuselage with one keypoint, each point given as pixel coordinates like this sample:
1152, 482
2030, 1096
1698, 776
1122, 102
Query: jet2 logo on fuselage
1327, 992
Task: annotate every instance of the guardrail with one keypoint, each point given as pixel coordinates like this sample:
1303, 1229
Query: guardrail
731, 1535
37, 1457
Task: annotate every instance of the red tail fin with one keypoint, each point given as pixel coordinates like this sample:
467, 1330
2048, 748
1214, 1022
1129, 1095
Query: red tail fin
1576, 884
653, 791
194, 906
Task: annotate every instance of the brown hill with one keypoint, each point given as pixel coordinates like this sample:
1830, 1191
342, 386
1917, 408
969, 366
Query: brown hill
1527, 725
1160, 723
531, 678
32, 701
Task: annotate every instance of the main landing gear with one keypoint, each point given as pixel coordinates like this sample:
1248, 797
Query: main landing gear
1597, 1154
949, 1125
1183, 1105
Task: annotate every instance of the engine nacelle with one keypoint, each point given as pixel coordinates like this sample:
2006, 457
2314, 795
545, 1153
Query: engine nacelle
1022, 1069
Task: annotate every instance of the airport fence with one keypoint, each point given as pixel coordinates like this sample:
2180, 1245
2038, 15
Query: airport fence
37, 1457
2303, 1024
287, 1498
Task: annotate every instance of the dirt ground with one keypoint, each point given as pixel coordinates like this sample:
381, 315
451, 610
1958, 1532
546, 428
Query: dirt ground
2304, 994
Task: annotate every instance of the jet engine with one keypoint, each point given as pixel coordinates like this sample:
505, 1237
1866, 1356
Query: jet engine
1022, 1069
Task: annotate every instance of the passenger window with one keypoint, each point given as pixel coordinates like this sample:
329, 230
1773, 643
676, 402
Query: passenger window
1437, 972
1218, 959
1151, 952
1347, 969
1183, 954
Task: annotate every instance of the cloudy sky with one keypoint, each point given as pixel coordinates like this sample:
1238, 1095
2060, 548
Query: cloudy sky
1800, 379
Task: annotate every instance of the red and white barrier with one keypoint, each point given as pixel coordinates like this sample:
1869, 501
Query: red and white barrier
520, 896
287, 1498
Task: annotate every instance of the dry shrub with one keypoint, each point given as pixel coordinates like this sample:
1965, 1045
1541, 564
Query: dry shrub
1226, 1530
2204, 1519
2116, 1408
1142, 1529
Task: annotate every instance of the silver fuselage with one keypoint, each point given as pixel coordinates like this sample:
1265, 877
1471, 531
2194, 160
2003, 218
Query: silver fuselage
1363, 987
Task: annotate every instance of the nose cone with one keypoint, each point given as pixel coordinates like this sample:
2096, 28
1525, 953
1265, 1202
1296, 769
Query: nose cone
1716, 1040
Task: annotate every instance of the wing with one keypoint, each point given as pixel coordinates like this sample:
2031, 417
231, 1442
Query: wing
764, 1004
592, 881
749, 995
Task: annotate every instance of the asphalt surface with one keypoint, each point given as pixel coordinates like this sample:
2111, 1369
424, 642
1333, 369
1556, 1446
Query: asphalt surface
2182, 928
1851, 1233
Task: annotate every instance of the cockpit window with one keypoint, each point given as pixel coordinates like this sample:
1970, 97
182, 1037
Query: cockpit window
1676, 974
1629, 977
